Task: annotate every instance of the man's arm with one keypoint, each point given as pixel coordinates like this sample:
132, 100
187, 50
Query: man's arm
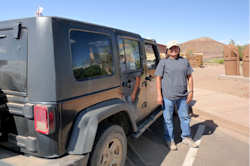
190, 88
159, 73
136, 87
158, 90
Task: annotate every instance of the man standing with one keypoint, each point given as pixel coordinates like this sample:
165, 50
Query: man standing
173, 76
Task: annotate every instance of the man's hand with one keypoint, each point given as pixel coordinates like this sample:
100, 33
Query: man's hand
159, 100
189, 97
133, 96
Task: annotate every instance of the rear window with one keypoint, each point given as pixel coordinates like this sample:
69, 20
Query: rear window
91, 55
13, 60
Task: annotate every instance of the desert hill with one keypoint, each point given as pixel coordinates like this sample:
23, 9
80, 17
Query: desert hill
209, 47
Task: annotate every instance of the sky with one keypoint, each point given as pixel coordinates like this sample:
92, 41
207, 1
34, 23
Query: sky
162, 20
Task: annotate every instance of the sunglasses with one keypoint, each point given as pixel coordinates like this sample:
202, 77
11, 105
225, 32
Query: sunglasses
174, 49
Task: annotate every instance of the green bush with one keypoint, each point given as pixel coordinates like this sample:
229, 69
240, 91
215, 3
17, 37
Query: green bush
220, 61
217, 60
240, 50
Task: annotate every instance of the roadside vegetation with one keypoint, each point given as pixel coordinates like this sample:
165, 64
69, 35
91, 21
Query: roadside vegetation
216, 60
239, 47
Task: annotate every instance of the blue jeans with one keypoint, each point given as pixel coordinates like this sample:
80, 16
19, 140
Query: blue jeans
182, 108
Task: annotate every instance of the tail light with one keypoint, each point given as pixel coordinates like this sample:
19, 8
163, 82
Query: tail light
44, 117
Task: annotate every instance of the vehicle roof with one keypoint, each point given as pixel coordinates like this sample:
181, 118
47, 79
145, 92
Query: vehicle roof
115, 29
72, 20
151, 41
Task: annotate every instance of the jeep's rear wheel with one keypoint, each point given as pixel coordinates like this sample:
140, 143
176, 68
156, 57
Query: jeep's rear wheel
110, 148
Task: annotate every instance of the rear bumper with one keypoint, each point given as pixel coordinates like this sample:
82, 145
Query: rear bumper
8, 158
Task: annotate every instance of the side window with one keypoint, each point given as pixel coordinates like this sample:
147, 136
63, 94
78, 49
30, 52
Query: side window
162, 51
122, 56
162, 55
129, 55
150, 56
91, 55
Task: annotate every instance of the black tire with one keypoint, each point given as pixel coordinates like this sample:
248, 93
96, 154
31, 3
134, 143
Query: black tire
109, 137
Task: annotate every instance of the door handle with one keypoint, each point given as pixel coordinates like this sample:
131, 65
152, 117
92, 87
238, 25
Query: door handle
129, 84
149, 78
2, 36
126, 84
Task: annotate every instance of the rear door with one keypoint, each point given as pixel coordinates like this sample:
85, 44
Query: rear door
131, 64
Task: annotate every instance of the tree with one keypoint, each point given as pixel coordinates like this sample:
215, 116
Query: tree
232, 42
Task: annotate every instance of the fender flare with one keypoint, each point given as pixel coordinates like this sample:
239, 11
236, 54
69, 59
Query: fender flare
86, 124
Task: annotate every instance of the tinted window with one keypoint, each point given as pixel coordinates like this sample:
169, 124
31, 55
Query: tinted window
129, 48
91, 55
122, 56
150, 56
13, 61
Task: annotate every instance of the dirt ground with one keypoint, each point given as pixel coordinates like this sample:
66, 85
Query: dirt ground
208, 78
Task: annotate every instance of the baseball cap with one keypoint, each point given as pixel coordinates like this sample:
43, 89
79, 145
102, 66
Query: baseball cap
172, 43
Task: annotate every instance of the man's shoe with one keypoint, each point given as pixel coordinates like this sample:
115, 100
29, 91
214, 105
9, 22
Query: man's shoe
171, 145
190, 142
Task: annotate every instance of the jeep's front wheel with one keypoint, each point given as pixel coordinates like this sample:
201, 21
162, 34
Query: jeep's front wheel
111, 148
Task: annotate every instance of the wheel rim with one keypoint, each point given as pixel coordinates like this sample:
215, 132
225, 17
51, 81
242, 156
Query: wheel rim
112, 153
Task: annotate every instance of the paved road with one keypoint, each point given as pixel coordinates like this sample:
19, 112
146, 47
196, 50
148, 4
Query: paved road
216, 148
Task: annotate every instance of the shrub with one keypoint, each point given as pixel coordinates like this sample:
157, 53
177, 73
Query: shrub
217, 60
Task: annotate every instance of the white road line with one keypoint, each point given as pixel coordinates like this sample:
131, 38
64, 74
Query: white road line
190, 157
